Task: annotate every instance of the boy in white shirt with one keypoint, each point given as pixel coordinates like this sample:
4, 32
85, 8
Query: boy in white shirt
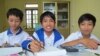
84, 37
13, 36
47, 35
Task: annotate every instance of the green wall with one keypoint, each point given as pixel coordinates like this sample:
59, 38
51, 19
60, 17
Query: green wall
2, 13
18, 4
77, 8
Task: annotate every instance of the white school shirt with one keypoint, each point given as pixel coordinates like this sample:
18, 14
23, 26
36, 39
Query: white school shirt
49, 41
78, 35
12, 39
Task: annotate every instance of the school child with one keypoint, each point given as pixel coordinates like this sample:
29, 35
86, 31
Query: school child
14, 35
84, 36
47, 35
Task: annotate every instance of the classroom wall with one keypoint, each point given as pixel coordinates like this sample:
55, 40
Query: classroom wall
2, 17
77, 8
40, 2
20, 4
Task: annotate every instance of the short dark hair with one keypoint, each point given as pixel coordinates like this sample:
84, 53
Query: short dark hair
16, 12
47, 13
88, 17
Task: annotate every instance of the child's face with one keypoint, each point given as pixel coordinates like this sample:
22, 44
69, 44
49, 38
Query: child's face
48, 24
14, 22
86, 27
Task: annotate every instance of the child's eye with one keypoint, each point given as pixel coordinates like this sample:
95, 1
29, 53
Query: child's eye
11, 20
82, 24
17, 21
44, 21
90, 24
51, 20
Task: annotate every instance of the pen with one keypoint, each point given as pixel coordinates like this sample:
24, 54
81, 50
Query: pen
38, 41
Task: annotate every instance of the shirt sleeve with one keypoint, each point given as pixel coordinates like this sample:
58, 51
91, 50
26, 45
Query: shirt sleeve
58, 43
71, 37
26, 41
25, 44
95, 38
1, 39
27, 36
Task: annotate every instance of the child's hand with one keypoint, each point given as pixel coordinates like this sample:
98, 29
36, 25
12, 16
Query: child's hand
90, 43
35, 46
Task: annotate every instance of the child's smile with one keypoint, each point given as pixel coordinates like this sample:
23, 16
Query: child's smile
48, 23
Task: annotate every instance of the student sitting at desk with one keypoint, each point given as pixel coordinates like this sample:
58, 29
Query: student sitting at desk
84, 37
48, 35
13, 36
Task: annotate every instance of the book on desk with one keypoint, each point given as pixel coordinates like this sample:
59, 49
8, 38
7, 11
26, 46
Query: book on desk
50, 51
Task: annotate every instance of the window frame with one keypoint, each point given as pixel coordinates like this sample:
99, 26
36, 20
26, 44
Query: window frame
36, 18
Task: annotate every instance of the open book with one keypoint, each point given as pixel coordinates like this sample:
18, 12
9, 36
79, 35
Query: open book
51, 51
97, 51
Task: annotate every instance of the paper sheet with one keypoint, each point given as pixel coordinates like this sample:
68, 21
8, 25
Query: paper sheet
51, 51
94, 51
9, 50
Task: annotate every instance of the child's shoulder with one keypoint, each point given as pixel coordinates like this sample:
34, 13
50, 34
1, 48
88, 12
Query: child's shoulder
4, 33
77, 33
24, 32
93, 36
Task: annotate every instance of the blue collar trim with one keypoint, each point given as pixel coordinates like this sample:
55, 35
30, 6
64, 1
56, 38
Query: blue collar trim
40, 33
10, 33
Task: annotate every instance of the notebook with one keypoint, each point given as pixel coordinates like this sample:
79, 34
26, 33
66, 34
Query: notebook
51, 51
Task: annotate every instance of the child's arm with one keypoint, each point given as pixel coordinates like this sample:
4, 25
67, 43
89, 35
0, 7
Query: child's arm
89, 43
35, 46
72, 43
71, 40
32, 45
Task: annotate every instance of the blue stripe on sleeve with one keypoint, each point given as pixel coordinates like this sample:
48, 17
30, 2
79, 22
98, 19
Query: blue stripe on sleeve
25, 44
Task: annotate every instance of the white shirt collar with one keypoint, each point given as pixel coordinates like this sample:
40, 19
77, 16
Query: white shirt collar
80, 34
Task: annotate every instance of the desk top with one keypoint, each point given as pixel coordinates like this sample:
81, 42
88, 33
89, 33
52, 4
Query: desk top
86, 53
12, 50
9, 50
82, 52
